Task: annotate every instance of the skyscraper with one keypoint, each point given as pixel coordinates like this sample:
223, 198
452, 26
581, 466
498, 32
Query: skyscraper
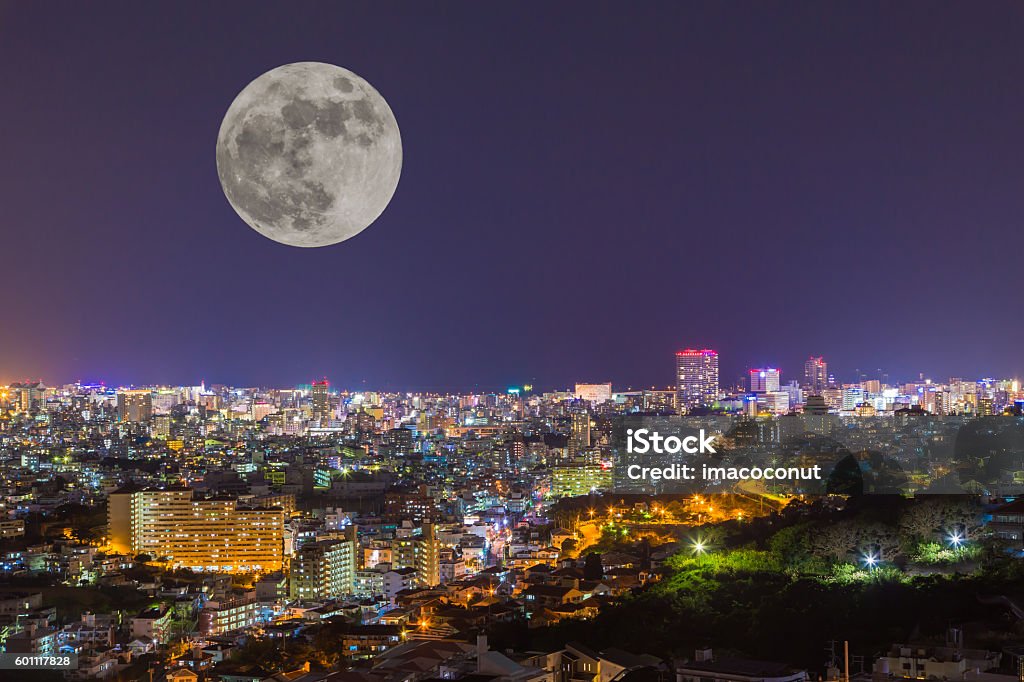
696, 377
815, 375
765, 380
579, 430
428, 557
321, 400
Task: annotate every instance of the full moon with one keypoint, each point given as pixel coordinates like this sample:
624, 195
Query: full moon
309, 154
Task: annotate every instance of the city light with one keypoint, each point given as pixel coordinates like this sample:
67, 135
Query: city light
595, 200
178, 520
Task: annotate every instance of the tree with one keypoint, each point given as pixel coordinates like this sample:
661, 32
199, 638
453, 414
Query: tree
854, 539
936, 518
593, 569
262, 652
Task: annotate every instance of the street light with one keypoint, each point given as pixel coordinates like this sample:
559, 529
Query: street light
870, 560
698, 545
956, 540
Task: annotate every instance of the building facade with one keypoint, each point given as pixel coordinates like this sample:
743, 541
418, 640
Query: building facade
203, 534
696, 378
325, 569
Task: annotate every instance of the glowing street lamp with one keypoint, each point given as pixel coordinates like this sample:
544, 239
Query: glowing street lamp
956, 540
871, 560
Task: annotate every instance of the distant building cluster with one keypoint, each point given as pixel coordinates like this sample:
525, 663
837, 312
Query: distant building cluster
410, 518
698, 388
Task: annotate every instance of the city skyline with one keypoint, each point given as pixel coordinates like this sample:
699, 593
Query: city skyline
782, 376
300, 528
696, 383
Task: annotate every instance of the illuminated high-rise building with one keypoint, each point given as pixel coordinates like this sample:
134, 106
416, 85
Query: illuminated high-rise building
27, 396
871, 386
325, 569
775, 402
214, 534
164, 401
403, 552
321, 400
815, 375
696, 377
765, 380
134, 406
428, 557
853, 395
575, 480
593, 393
399, 441
162, 426
579, 430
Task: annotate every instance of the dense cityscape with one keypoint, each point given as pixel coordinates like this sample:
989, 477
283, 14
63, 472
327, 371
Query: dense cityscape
223, 533
497, 342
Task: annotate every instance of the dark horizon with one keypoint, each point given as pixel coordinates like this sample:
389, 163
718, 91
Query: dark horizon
585, 190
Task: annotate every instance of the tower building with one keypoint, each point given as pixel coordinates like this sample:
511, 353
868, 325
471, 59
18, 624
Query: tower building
696, 378
815, 375
321, 400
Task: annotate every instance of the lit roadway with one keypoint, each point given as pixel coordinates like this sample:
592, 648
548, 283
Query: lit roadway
756, 489
700, 509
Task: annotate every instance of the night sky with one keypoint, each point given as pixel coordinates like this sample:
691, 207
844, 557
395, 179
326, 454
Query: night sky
585, 189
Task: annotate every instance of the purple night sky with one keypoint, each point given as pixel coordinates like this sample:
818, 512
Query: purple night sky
586, 188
